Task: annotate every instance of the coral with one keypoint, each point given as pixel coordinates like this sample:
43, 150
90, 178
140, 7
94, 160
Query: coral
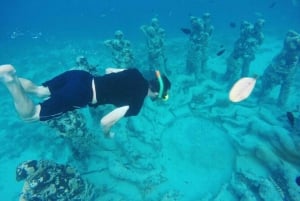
172, 195
269, 188
282, 175
46, 180
72, 127
240, 189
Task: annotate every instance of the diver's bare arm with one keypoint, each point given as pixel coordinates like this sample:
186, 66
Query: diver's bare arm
113, 70
111, 118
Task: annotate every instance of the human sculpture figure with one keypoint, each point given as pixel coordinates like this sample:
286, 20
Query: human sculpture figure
238, 63
121, 50
282, 69
155, 36
83, 64
197, 56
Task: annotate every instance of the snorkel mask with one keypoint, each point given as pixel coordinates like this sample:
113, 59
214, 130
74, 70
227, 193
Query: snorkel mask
161, 95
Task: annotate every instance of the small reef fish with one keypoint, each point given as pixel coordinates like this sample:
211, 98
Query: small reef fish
273, 4
232, 24
220, 52
298, 180
186, 31
291, 118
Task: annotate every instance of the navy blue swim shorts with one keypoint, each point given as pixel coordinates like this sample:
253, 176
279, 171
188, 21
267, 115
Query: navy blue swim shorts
69, 91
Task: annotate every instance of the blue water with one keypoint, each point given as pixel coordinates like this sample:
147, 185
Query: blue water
218, 151
92, 18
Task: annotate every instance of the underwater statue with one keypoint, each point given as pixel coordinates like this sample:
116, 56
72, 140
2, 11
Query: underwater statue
282, 69
155, 36
199, 35
121, 50
238, 63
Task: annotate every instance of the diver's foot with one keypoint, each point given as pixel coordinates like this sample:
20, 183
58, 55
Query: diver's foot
7, 72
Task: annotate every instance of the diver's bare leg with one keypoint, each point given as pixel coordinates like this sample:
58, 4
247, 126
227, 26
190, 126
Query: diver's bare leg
23, 104
30, 87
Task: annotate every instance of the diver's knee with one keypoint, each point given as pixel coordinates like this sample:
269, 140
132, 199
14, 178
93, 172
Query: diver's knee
43, 92
33, 115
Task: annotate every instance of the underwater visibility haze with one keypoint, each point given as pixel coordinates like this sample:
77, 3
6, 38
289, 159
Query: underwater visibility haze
205, 143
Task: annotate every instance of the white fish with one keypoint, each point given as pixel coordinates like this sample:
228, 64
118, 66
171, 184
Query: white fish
242, 89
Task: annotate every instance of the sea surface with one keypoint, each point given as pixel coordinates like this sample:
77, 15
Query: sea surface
197, 146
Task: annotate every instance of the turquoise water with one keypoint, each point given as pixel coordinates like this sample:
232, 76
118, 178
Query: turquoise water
193, 147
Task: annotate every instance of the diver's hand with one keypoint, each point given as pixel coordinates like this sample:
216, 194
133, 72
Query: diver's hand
111, 118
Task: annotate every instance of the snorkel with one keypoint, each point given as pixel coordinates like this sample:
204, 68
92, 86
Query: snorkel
161, 87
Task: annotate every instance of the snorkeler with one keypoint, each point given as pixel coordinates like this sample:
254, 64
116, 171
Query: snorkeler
124, 88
